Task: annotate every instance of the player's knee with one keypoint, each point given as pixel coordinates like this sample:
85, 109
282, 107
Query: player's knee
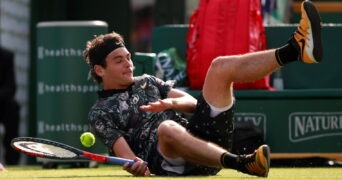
222, 65
169, 131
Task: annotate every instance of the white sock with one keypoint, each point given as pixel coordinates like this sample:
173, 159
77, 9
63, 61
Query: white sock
216, 111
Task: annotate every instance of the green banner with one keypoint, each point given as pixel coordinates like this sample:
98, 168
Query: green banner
65, 91
296, 125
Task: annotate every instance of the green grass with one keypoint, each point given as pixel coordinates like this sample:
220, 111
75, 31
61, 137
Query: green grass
115, 172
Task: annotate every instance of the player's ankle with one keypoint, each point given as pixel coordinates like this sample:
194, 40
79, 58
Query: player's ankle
286, 54
229, 160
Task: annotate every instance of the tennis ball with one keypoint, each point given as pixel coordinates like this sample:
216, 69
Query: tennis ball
87, 139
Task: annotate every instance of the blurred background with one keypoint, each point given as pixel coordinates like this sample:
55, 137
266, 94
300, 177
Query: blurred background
134, 19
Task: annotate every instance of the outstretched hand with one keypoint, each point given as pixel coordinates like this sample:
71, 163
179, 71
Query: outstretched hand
139, 168
158, 106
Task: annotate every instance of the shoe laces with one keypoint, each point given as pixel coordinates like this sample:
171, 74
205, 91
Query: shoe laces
302, 28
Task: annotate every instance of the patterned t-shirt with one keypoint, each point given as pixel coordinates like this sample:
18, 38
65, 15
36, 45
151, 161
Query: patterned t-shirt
116, 114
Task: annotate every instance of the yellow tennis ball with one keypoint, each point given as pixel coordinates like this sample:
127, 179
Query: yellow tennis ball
87, 139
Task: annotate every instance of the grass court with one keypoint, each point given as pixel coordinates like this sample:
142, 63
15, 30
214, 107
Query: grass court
115, 172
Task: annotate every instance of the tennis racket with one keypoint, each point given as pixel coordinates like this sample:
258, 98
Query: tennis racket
44, 148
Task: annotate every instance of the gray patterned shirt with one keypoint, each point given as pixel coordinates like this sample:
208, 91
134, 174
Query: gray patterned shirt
116, 114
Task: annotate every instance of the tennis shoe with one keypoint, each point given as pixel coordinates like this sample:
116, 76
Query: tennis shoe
257, 163
307, 38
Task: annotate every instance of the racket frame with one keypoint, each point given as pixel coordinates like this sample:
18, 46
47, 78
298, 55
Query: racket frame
79, 154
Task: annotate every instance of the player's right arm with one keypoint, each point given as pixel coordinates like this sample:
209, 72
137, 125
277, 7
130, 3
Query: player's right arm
122, 149
177, 100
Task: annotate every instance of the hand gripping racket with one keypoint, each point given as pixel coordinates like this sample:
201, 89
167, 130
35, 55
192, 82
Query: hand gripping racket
54, 150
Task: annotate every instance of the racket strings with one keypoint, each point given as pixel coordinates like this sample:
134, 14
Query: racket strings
44, 149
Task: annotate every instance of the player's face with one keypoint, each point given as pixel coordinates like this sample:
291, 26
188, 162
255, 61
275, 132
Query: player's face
118, 74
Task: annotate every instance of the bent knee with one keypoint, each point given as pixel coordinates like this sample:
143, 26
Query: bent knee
219, 61
170, 130
222, 65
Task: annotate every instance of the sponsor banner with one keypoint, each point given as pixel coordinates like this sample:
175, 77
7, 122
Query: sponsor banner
258, 119
304, 126
65, 91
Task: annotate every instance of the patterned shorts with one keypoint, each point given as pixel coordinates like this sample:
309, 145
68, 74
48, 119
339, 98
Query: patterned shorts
218, 130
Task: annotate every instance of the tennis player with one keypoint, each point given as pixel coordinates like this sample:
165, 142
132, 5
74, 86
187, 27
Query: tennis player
137, 117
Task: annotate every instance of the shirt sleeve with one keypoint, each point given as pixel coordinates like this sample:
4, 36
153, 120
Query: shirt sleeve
104, 127
163, 86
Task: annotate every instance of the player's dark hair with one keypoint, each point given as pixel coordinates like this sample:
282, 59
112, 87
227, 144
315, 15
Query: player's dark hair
97, 50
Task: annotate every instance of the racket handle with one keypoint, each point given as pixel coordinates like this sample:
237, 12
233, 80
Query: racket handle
119, 161
106, 159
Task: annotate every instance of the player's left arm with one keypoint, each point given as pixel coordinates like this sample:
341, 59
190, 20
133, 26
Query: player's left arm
176, 99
